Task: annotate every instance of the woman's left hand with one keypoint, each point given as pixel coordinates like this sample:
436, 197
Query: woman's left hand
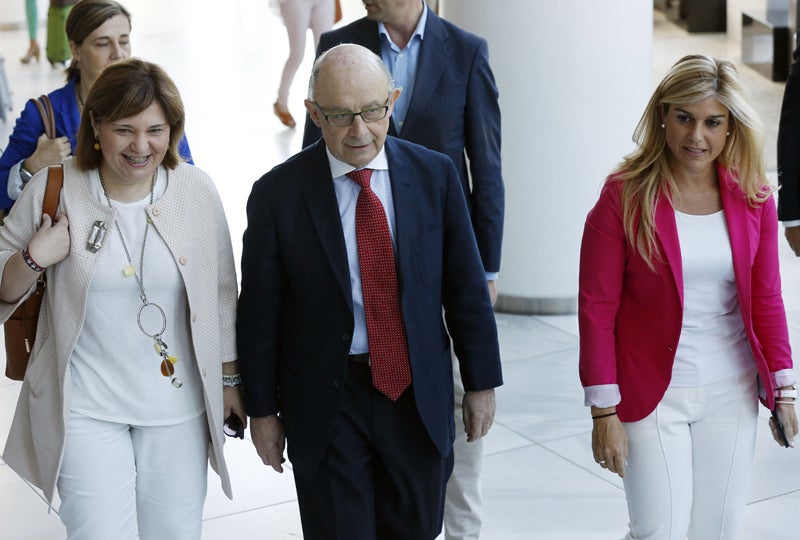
788, 417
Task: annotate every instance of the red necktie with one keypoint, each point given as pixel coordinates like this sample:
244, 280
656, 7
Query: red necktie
386, 334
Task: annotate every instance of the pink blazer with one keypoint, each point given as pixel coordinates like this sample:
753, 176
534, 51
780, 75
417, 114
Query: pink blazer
630, 316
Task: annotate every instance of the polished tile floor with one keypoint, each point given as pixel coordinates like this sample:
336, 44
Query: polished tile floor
540, 482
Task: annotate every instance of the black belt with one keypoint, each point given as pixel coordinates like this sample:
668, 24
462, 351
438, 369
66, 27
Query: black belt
362, 358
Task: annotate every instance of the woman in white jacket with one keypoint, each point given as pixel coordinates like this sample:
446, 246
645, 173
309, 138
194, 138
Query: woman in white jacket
133, 370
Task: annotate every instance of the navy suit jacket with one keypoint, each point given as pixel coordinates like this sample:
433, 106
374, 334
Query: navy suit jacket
789, 145
295, 319
453, 110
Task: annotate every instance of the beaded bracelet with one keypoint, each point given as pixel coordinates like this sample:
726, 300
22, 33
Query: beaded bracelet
26, 256
231, 380
604, 415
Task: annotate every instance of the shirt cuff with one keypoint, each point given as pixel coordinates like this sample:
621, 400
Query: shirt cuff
791, 223
601, 395
783, 377
15, 185
492, 276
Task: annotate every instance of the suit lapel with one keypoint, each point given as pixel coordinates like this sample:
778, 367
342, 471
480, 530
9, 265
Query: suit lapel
324, 211
667, 234
405, 206
434, 53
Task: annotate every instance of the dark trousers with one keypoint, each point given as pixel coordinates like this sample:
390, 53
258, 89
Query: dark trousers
381, 477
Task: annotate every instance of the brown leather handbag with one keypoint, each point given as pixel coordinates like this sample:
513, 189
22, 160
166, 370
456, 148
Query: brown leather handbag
20, 328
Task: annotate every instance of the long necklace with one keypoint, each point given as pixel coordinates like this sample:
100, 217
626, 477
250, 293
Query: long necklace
167, 360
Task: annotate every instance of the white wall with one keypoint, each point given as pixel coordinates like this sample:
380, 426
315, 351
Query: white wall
574, 77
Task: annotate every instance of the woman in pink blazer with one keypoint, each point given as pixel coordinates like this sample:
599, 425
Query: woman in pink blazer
682, 325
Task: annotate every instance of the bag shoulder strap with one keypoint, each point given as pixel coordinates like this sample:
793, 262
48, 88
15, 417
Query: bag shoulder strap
52, 193
47, 113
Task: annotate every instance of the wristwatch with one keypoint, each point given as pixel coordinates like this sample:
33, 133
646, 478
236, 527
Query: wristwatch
24, 173
789, 393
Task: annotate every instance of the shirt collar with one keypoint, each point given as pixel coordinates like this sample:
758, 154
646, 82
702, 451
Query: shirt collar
340, 168
419, 31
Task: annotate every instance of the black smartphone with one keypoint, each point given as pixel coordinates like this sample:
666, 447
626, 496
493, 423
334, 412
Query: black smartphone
781, 432
234, 427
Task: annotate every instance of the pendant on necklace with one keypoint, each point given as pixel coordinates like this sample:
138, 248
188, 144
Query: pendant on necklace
128, 270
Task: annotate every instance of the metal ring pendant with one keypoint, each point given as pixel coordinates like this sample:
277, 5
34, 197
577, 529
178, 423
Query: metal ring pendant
159, 311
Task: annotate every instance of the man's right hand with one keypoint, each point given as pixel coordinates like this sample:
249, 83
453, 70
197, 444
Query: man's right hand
269, 439
48, 152
793, 236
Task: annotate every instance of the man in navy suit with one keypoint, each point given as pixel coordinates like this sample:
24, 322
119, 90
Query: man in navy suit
366, 465
449, 104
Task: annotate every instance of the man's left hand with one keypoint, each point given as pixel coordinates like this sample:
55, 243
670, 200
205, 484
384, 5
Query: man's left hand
479, 407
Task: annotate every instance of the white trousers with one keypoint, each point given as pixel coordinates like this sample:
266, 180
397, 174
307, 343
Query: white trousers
463, 502
115, 476
298, 17
690, 462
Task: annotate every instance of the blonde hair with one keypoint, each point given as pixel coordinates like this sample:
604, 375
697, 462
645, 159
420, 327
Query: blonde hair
645, 173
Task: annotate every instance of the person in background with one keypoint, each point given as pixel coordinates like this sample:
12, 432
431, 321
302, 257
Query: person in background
789, 156
449, 104
338, 359
682, 324
32, 17
99, 35
298, 16
134, 366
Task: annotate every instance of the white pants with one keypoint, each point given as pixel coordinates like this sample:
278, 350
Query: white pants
690, 462
114, 476
463, 502
299, 16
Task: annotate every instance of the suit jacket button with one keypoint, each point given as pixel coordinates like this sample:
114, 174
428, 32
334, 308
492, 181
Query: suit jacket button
345, 336
337, 383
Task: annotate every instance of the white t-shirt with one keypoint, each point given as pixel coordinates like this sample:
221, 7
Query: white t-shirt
713, 344
116, 372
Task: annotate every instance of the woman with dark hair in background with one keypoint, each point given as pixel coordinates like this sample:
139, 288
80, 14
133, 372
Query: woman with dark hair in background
99, 35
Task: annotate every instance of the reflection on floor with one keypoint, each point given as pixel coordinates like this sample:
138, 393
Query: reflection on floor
540, 482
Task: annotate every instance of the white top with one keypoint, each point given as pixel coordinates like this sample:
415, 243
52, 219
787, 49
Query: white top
713, 344
116, 372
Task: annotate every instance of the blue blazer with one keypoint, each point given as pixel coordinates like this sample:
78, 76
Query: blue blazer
295, 319
453, 110
29, 127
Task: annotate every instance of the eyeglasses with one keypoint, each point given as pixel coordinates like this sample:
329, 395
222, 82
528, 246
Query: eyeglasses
233, 426
372, 114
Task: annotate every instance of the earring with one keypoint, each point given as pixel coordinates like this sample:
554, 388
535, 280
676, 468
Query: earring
97, 142
728, 134
663, 125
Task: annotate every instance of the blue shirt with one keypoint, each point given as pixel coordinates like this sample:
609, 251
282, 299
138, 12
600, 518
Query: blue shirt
402, 64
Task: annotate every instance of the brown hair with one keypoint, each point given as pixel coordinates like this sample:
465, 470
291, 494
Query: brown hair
85, 17
123, 90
